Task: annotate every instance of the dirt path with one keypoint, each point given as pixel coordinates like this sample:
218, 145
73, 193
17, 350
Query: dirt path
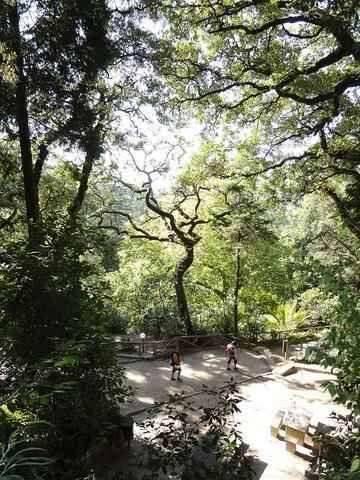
263, 397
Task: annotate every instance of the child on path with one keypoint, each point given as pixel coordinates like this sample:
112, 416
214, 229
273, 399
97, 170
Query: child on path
231, 354
175, 363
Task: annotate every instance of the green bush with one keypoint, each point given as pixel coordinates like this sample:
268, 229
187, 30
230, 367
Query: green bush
184, 445
340, 452
75, 393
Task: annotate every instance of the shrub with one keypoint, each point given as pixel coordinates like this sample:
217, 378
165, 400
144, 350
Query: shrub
19, 460
184, 443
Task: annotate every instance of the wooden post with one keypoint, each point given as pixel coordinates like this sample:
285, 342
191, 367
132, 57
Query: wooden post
142, 347
285, 345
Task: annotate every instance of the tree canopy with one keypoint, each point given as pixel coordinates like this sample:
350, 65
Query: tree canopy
245, 222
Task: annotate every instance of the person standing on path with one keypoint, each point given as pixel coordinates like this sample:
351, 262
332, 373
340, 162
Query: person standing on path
175, 362
230, 351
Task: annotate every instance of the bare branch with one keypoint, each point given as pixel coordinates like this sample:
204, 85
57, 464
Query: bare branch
144, 233
131, 187
348, 82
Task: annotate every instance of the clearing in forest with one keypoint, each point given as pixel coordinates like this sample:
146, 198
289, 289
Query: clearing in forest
264, 394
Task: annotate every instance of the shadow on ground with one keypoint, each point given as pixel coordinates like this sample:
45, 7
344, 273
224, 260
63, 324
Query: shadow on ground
263, 396
151, 380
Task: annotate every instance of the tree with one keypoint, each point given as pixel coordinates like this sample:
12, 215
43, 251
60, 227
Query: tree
262, 282
58, 98
236, 220
327, 260
286, 317
293, 67
180, 228
247, 224
181, 213
143, 289
55, 92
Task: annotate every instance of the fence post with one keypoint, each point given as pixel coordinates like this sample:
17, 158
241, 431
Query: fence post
285, 345
142, 338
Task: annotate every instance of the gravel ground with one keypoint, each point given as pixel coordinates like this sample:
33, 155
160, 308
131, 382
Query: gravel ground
264, 393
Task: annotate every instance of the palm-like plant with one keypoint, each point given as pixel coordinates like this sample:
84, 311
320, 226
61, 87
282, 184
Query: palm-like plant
21, 462
286, 317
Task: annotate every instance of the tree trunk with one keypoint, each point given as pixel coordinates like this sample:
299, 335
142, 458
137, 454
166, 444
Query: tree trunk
181, 300
236, 293
22, 120
91, 155
350, 222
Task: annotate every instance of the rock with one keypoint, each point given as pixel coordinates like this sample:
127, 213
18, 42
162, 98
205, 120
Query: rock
326, 426
285, 370
311, 475
277, 423
298, 419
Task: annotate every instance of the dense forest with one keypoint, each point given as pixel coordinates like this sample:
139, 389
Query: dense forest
175, 168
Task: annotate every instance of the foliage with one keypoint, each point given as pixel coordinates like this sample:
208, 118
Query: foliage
182, 446
76, 391
286, 317
57, 101
326, 272
341, 450
266, 213
20, 461
291, 69
213, 279
142, 288
14, 421
319, 304
342, 344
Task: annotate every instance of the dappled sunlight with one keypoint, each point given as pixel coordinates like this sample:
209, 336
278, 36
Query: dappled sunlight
214, 359
135, 377
263, 395
211, 364
189, 372
162, 369
178, 388
147, 400
152, 380
211, 356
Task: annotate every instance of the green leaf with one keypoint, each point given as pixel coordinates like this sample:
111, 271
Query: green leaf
355, 466
68, 361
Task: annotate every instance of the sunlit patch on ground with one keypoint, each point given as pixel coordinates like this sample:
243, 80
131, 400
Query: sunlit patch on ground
263, 396
147, 400
135, 377
191, 373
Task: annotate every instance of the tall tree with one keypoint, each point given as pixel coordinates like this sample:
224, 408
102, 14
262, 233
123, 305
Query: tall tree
143, 286
180, 228
181, 214
293, 66
56, 93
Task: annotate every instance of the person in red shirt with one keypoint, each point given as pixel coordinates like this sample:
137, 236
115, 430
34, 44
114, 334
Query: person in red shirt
230, 350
